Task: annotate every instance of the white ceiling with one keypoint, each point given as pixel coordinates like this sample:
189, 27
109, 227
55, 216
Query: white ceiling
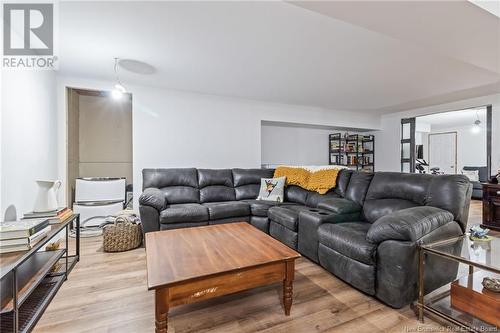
452, 119
492, 6
296, 53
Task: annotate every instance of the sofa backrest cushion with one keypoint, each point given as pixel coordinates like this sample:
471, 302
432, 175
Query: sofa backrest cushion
358, 186
393, 191
247, 182
216, 185
397, 185
342, 181
375, 209
296, 194
180, 185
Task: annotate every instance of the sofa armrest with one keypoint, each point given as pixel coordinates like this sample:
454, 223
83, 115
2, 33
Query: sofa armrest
153, 197
309, 223
408, 224
339, 206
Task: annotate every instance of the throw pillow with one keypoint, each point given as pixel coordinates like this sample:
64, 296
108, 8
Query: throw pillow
473, 175
272, 189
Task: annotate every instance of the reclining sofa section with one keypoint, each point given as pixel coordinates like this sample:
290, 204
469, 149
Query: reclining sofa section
365, 231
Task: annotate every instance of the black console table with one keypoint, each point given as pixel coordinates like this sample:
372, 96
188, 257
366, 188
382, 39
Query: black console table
30, 279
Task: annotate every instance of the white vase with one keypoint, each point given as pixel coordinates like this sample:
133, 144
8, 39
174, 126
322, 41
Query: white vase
46, 199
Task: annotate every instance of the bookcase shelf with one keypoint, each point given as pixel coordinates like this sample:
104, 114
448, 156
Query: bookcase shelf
30, 279
34, 306
354, 151
29, 275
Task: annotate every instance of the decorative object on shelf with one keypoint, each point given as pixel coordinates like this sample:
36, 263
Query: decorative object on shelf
46, 199
496, 178
124, 234
53, 246
10, 213
479, 234
491, 284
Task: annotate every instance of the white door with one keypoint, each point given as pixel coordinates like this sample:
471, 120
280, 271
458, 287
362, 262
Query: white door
443, 152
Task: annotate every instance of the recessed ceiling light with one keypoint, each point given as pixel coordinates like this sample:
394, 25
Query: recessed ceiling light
136, 66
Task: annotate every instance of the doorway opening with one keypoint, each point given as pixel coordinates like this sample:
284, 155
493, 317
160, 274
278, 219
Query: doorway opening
99, 132
454, 142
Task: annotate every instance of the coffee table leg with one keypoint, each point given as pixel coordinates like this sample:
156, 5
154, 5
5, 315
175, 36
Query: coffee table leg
288, 286
161, 311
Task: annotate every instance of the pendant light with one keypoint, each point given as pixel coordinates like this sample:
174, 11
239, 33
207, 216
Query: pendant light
476, 128
118, 89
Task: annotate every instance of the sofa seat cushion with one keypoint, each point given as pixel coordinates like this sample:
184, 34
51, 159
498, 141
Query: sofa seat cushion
314, 198
190, 212
349, 239
260, 207
287, 215
225, 209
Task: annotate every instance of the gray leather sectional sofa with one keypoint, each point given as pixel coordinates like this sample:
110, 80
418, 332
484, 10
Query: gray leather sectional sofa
365, 231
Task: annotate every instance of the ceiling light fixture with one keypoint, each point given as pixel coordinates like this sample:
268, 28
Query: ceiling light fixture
119, 89
476, 127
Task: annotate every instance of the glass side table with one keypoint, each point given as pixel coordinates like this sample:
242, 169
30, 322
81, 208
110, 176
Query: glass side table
484, 256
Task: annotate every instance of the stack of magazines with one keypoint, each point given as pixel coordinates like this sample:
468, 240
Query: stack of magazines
22, 235
55, 216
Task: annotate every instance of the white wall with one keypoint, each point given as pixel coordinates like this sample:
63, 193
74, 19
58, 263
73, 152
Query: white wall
294, 145
105, 137
180, 129
28, 136
471, 147
388, 138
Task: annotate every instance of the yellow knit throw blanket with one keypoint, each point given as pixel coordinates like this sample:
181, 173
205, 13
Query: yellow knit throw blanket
320, 181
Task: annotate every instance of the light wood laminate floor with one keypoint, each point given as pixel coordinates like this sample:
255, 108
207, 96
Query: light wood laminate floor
106, 292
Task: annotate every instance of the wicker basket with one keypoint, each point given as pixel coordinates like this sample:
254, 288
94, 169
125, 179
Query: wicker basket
123, 235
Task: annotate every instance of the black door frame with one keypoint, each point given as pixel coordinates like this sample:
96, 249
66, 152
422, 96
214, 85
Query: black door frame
489, 122
411, 141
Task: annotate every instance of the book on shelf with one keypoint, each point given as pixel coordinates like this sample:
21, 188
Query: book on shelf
63, 216
25, 242
368, 137
55, 217
22, 228
52, 213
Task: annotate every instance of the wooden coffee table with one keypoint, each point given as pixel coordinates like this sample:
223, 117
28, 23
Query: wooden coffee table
195, 264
